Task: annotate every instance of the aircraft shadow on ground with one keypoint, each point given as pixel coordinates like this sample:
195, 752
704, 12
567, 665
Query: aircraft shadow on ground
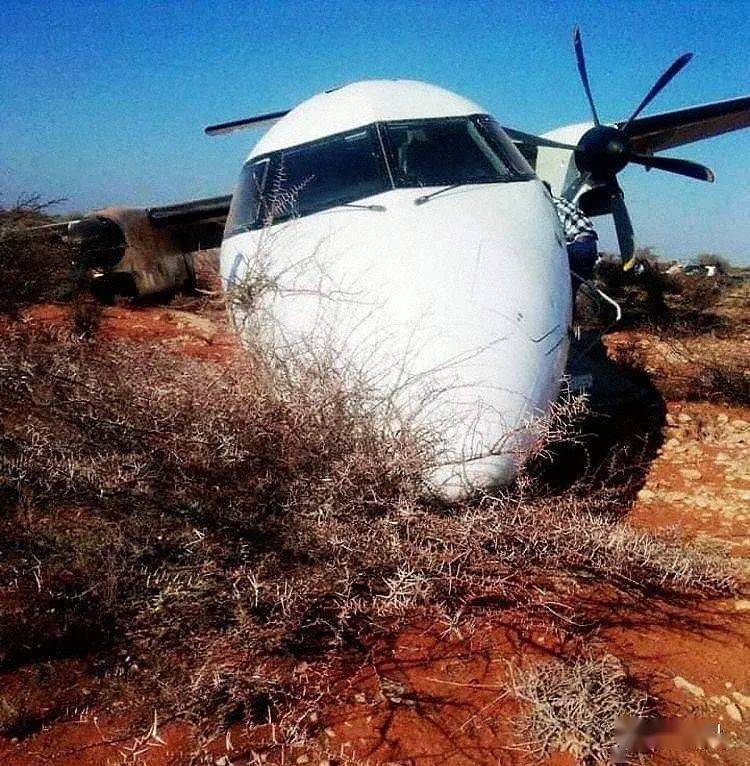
619, 436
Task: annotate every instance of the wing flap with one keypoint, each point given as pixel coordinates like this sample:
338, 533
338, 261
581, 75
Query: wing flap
193, 225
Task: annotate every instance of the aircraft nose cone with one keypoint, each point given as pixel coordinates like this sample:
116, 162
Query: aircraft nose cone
456, 309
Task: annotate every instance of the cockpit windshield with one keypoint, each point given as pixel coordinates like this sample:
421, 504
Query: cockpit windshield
457, 150
305, 179
343, 168
326, 173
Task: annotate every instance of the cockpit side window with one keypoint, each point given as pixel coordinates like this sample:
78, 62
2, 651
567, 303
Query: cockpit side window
499, 139
246, 208
450, 150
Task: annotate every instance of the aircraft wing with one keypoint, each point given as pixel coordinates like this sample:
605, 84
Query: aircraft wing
199, 223
146, 251
683, 126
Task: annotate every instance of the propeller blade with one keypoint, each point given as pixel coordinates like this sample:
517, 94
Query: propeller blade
674, 165
581, 60
624, 229
659, 85
528, 138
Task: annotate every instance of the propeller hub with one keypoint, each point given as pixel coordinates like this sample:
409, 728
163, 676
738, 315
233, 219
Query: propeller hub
603, 151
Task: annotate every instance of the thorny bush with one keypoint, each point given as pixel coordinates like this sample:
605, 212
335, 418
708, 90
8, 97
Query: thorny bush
210, 526
36, 267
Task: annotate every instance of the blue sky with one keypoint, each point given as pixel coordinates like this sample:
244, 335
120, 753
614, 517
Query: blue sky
105, 102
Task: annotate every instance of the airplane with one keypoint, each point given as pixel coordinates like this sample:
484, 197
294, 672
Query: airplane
401, 231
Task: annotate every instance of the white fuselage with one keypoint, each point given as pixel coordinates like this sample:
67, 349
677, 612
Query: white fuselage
458, 308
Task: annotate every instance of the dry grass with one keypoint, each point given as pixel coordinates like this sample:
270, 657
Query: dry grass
576, 707
208, 527
218, 540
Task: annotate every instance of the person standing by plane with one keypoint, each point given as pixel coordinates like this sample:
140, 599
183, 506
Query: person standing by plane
580, 238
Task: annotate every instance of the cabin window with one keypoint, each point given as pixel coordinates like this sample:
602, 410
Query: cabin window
452, 150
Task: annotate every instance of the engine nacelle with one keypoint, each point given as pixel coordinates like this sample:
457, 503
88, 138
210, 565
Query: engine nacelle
131, 255
557, 166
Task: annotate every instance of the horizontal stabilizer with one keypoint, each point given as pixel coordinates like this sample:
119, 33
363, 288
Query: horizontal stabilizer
246, 123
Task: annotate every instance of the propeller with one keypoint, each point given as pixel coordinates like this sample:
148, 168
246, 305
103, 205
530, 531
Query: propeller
673, 165
624, 228
659, 85
581, 61
604, 150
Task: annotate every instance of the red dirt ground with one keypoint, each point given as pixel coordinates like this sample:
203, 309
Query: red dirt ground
426, 698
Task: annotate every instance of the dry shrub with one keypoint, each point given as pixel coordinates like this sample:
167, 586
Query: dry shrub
220, 532
697, 294
724, 380
681, 304
34, 268
692, 370
582, 535
576, 707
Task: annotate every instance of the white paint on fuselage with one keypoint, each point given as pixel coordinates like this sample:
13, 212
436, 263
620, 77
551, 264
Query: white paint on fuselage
461, 305
465, 299
362, 103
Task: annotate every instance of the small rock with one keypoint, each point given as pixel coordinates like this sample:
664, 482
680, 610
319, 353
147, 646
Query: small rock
360, 698
671, 444
722, 417
742, 700
303, 759
646, 495
691, 474
330, 733
733, 712
742, 605
685, 685
222, 760
683, 417
741, 425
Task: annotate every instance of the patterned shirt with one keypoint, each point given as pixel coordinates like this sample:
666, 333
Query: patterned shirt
574, 222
